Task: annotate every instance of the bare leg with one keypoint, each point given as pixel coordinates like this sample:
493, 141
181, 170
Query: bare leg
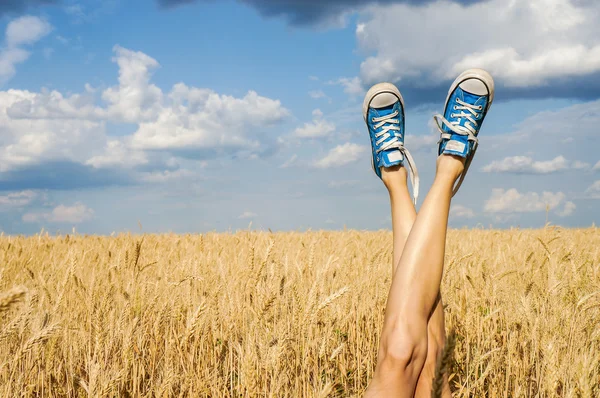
436, 338
415, 287
403, 218
403, 210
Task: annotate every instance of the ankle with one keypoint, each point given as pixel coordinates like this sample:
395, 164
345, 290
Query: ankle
394, 178
449, 166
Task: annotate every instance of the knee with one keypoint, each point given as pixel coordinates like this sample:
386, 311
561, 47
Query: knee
403, 349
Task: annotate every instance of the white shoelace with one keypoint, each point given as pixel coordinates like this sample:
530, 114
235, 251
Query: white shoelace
468, 112
469, 126
389, 130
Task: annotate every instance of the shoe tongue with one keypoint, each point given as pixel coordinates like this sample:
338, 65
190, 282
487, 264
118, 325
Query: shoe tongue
470, 98
386, 110
392, 157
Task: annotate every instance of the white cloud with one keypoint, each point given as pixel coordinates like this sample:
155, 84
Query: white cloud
26, 142
593, 190
596, 166
49, 126
461, 212
316, 94
351, 85
71, 214
17, 199
562, 39
545, 131
554, 123
20, 32
135, 99
31, 217
201, 118
341, 155
167, 176
289, 162
525, 164
567, 210
75, 214
511, 201
319, 127
26, 30
579, 165
550, 166
117, 153
416, 143
247, 215
535, 69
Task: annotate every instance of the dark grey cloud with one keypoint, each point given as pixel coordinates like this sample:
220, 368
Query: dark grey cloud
62, 175
585, 88
307, 12
18, 6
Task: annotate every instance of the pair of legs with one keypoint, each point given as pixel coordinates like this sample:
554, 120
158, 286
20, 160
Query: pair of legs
413, 331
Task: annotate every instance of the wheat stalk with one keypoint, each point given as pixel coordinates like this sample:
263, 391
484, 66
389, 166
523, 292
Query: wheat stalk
194, 323
302, 320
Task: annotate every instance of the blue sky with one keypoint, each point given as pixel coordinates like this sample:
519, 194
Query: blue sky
190, 116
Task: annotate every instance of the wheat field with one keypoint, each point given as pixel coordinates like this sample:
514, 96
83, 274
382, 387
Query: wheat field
260, 314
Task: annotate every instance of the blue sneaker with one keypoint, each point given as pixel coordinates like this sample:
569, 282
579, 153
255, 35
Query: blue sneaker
383, 111
468, 101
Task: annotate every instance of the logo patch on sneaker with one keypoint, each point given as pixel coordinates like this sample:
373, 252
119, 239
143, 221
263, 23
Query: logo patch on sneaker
456, 146
394, 156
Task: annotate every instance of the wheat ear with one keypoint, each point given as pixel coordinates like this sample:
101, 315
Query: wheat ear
12, 297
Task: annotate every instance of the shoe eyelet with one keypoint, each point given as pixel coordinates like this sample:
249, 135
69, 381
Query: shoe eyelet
480, 107
455, 107
452, 115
